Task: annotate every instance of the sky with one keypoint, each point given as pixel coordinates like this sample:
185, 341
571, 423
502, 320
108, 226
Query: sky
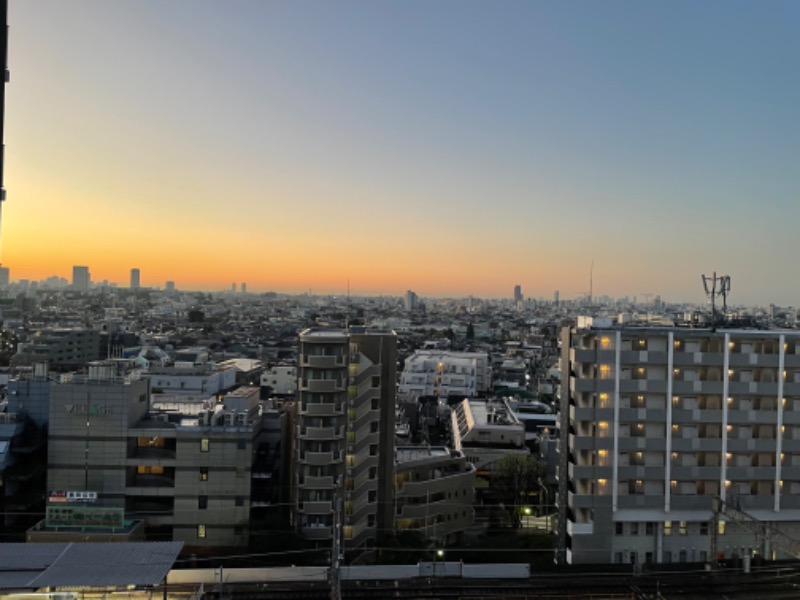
452, 148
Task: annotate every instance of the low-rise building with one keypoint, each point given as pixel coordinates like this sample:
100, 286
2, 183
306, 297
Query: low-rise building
444, 373
434, 492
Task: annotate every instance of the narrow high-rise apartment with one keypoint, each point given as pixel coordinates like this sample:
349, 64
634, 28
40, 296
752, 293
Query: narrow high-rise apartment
344, 435
135, 279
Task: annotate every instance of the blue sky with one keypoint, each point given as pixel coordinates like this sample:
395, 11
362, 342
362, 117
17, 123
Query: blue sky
452, 148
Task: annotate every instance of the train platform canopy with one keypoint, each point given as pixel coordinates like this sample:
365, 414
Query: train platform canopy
86, 564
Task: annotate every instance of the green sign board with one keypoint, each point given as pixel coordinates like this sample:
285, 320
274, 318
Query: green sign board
90, 517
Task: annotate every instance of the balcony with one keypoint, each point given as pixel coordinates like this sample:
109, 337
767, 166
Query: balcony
320, 458
321, 361
580, 528
317, 483
322, 385
323, 409
321, 433
317, 532
324, 507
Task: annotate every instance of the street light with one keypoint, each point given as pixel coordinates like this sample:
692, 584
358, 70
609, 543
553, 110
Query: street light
439, 554
527, 512
543, 488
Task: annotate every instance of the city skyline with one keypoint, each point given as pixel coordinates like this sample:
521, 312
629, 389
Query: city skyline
453, 149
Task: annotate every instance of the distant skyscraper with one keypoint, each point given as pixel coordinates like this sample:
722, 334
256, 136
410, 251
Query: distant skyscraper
135, 280
517, 293
233, 288
81, 279
411, 301
5, 277
170, 286
244, 287
555, 298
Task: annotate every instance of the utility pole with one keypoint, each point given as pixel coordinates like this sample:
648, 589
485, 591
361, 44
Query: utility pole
334, 578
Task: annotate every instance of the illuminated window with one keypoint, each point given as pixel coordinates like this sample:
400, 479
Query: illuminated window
682, 528
602, 457
605, 343
667, 527
721, 528
602, 427
605, 372
204, 444
201, 531
203, 473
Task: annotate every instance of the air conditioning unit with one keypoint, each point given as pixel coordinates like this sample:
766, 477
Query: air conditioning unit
241, 419
230, 419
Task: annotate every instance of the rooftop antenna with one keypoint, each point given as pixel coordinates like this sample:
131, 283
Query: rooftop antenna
347, 317
717, 285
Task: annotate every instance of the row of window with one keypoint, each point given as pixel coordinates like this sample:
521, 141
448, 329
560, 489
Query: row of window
670, 528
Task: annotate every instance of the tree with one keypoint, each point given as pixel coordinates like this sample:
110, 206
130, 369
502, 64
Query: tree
516, 477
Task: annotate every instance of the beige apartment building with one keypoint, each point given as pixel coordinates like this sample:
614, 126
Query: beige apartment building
183, 468
434, 492
658, 423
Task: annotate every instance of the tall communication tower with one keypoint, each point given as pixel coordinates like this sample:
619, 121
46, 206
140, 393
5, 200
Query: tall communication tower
4, 62
716, 286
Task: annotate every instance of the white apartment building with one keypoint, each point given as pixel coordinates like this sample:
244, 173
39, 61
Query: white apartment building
444, 373
485, 431
657, 423
282, 379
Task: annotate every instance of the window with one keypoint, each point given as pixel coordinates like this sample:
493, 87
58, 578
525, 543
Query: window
618, 530
241, 444
239, 501
648, 529
202, 502
204, 445
201, 531
682, 529
203, 473
634, 529
667, 527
